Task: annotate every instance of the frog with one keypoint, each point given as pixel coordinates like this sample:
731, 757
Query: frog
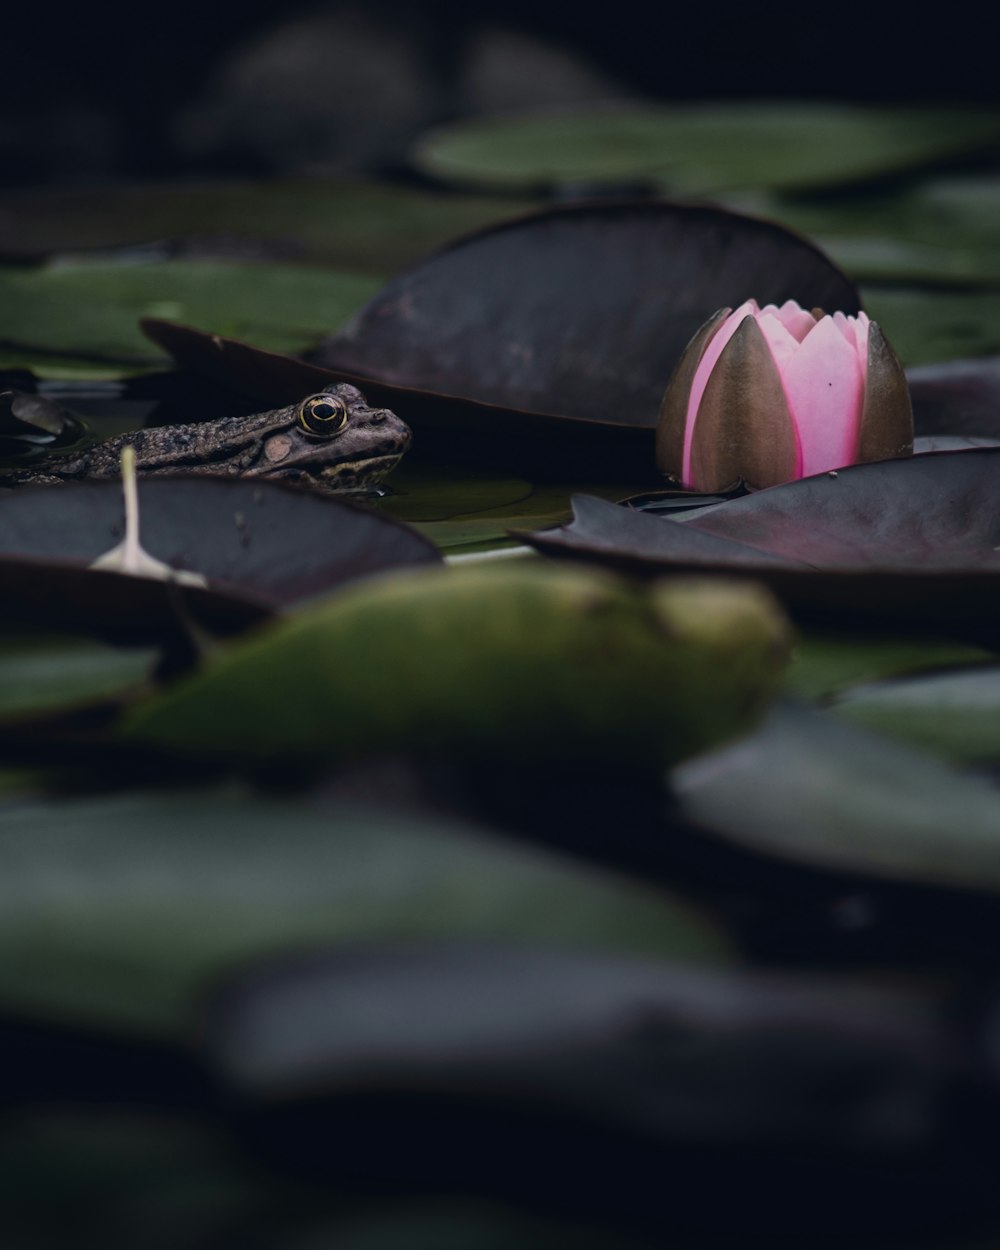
332, 442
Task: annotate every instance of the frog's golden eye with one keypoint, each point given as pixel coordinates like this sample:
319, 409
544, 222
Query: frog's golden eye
322, 416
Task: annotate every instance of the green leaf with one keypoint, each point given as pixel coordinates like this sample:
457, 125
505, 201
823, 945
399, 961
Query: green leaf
925, 327
360, 226
532, 663
698, 148
955, 714
823, 664
117, 910
89, 310
810, 789
42, 675
941, 231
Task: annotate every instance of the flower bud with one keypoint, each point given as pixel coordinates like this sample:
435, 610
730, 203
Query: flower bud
766, 395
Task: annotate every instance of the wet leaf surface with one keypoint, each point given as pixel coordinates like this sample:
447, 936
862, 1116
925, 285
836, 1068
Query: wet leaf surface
264, 546
911, 541
700, 148
119, 908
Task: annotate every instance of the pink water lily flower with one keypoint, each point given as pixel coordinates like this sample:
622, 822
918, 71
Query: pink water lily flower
766, 395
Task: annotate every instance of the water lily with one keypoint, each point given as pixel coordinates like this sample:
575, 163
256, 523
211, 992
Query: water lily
767, 395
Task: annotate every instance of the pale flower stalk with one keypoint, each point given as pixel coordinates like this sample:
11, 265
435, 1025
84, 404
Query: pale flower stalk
766, 395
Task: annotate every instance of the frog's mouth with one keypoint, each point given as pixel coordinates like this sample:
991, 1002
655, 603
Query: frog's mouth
353, 472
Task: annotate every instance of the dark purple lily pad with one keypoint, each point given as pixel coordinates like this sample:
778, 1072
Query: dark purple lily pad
911, 541
262, 547
629, 1091
957, 397
546, 341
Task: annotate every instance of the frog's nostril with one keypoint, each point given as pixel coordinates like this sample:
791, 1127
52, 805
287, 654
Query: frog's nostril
380, 414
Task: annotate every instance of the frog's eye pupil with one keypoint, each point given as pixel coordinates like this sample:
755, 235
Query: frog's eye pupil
323, 416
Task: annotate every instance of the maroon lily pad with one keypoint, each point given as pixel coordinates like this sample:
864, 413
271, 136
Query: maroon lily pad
262, 547
957, 397
546, 341
913, 540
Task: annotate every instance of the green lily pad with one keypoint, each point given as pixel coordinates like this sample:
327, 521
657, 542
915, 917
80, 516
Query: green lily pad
941, 231
825, 664
925, 327
517, 664
116, 911
810, 789
40, 675
360, 226
700, 148
954, 714
63, 314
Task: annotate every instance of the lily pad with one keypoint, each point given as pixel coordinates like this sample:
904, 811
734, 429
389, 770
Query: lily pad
955, 714
157, 892
926, 328
596, 1076
45, 675
848, 800
350, 224
825, 664
506, 665
88, 310
546, 342
913, 541
703, 148
941, 231
262, 546
958, 397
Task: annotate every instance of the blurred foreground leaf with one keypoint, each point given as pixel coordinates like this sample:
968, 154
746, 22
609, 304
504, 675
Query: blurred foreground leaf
117, 911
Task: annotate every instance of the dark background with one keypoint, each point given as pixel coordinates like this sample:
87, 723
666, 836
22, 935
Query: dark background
116, 90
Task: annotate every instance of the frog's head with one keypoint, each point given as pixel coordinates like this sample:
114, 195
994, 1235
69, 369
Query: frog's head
335, 441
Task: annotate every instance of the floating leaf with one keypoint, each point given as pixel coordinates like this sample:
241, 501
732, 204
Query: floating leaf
825, 663
702, 148
154, 893
848, 800
88, 310
913, 541
593, 1076
42, 675
544, 342
518, 663
958, 397
353, 225
262, 546
927, 328
955, 714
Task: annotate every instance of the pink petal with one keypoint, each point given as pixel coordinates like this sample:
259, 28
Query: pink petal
845, 325
780, 340
861, 324
824, 383
796, 320
712, 353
